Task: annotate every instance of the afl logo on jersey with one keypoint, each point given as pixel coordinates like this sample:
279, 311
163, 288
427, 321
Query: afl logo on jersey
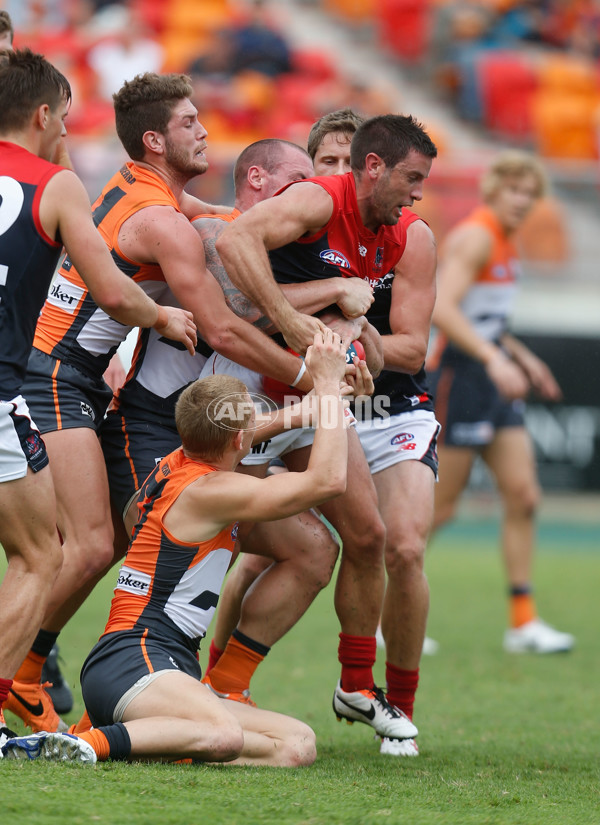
332, 256
402, 438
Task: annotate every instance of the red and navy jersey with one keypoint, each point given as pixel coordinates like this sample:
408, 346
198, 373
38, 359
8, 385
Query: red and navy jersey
405, 392
28, 258
344, 246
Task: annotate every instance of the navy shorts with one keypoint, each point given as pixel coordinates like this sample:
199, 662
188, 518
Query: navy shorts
61, 397
469, 406
132, 448
121, 659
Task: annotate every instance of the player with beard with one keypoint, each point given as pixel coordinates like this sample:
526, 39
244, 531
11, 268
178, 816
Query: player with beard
43, 206
143, 216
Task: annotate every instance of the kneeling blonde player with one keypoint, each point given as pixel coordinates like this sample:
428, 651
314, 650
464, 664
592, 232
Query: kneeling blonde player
141, 682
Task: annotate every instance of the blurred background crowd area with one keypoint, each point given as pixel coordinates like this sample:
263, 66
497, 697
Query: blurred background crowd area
481, 75
523, 72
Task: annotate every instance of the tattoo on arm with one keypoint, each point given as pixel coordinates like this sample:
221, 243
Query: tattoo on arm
239, 303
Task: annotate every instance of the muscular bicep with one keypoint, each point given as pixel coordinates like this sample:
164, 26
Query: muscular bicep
414, 287
302, 209
413, 298
220, 498
209, 230
66, 214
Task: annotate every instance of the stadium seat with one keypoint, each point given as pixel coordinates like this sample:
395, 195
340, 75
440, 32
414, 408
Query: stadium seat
507, 82
565, 109
354, 11
405, 26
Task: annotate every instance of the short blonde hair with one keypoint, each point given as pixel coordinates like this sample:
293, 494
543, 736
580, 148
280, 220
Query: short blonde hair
209, 412
512, 164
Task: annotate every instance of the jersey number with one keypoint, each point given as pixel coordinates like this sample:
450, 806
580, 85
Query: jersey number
11, 203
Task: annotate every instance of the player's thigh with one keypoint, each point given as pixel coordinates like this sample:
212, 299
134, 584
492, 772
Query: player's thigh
355, 511
455, 465
511, 460
176, 694
80, 481
405, 492
28, 514
266, 722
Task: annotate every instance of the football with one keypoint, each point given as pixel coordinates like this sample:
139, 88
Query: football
355, 348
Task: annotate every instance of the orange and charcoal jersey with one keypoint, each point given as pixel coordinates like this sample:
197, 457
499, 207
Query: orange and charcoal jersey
71, 326
160, 371
489, 301
167, 587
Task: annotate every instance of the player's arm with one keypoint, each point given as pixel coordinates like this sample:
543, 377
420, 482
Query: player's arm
413, 298
537, 371
66, 214
353, 295
165, 236
467, 251
220, 498
303, 208
191, 206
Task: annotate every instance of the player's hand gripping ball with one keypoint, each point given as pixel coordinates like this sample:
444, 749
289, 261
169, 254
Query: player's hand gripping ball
277, 390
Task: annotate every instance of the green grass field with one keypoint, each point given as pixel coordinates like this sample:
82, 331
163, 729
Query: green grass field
504, 739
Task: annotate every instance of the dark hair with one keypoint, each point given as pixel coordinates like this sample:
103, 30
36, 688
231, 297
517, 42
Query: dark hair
342, 121
6, 24
265, 153
27, 81
145, 104
391, 137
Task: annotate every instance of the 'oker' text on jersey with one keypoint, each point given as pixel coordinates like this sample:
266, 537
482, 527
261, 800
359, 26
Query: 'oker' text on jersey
28, 258
72, 327
395, 392
165, 585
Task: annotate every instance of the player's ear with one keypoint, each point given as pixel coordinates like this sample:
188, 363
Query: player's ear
153, 141
255, 175
41, 115
238, 439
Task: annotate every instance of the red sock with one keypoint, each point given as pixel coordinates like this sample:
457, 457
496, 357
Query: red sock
5, 686
214, 654
401, 687
357, 657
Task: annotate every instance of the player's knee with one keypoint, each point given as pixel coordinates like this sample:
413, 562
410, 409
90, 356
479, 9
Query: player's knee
299, 748
404, 554
91, 556
523, 500
365, 539
226, 741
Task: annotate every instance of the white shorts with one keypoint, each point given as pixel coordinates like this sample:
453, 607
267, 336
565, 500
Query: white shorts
274, 447
21, 445
403, 437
